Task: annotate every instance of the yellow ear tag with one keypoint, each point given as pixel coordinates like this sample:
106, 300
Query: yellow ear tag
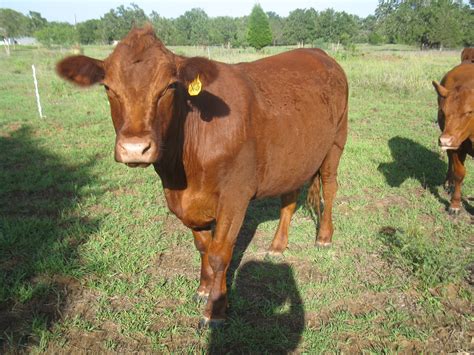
195, 87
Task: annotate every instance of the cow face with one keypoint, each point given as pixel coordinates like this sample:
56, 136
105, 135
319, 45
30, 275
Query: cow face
146, 85
457, 107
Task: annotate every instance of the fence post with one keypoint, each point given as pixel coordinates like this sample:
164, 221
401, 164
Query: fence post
36, 91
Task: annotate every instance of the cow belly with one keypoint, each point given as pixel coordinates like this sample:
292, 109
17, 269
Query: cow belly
291, 161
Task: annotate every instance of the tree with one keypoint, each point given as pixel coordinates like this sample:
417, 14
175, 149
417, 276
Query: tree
88, 32
223, 30
117, 23
242, 31
165, 28
300, 26
259, 32
428, 23
13, 23
337, 27
442, 22
35, 22
277, 26
61, 33
193, 27
467, 24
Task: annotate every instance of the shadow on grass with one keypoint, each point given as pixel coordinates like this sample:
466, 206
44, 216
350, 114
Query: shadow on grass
40, 231
412, 160
261, 211
266, 313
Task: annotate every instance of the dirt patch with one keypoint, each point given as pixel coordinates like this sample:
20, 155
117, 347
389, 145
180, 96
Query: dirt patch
358, 306
8, 129
454, 327
172, 224
124, 190
451, 337
175, 262
100, 341
386, 203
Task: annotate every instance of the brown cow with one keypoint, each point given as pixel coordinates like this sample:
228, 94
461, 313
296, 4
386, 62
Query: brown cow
467, 55
220, 135
456, 120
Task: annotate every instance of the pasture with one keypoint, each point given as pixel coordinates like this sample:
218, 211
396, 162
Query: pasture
91, 258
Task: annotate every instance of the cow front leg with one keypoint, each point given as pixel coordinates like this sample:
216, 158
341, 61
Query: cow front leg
202, 240
220, 250
458, 174
288, 207
449, 180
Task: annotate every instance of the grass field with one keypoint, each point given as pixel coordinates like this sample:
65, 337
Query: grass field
91, 258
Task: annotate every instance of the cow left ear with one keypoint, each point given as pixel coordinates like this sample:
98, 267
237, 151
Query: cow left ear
440, 89
197, 73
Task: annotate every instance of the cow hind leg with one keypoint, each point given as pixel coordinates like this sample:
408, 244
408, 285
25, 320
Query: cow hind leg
328, 174
458, 173
288, 207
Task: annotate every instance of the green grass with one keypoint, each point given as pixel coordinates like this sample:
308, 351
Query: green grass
91, 258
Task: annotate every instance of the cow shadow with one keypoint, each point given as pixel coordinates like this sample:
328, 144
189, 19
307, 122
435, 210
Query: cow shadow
210, 106
266, 313
40, 232
412, 160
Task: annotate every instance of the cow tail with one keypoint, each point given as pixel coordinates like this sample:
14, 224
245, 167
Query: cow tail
313, 200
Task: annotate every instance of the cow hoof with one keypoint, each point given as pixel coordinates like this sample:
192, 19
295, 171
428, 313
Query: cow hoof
200, 297
448, 187
454, 211
273, 256
323, 245
206, 323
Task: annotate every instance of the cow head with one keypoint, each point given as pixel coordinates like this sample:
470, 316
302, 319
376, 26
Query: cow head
147, 87
457, 106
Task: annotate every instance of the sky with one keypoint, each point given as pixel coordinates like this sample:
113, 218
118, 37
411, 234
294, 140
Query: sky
65, 10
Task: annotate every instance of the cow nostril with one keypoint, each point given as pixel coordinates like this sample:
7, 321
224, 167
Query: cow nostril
147, 148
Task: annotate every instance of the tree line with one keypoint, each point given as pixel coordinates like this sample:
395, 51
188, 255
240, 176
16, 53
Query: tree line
426, 23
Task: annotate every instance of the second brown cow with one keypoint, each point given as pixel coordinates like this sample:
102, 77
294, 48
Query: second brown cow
456, 120
220, 135
467, 55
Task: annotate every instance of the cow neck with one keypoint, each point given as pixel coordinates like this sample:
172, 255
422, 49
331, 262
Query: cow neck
170, 167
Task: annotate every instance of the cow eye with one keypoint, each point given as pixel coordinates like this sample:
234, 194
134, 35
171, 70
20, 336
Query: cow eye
173, 85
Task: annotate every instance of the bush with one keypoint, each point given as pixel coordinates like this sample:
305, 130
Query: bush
376, 38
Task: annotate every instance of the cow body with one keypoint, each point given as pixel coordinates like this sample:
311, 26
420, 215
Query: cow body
467, 55
456, 120
255, 130
278, 107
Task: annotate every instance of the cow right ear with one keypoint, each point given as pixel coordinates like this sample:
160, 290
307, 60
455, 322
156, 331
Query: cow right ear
81, 70
197, 73
441, 90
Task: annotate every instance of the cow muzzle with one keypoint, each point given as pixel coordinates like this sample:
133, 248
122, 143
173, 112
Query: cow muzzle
447, 142
136, 151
